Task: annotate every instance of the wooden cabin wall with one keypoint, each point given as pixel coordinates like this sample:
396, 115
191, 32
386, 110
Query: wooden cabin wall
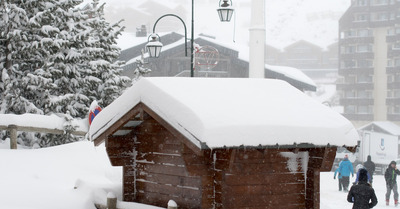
251, 178
162, 174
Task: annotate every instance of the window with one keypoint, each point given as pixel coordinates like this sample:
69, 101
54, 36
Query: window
350, 94
365, 63
379, 2
390, 78
396, 109
350, 79
364, 48
350, 33
364, 78
392, 16
361, 17
390, 63
361, 3
364, 94
397, 62
348, 64
351, 109
396, 46
390, 32
364, 33
350, 49
364, 109
396, 93
380, 16
397, 78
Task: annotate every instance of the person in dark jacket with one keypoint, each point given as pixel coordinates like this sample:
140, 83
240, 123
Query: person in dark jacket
391, 182
370, 166
362, 195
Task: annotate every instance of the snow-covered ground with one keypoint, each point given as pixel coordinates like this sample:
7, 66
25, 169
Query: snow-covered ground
78, 174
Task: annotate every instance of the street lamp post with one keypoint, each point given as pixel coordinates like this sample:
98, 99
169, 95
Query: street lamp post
225, 11
154, 46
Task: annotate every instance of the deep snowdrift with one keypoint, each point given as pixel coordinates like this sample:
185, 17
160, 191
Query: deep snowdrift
45, 179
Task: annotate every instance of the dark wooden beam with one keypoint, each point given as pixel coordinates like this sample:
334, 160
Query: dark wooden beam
131, 114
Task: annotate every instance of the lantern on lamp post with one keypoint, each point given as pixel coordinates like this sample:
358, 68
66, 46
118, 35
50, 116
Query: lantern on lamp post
225, 11
154, 45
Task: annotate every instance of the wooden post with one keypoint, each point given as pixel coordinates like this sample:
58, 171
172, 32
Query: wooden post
13, 136
111, 201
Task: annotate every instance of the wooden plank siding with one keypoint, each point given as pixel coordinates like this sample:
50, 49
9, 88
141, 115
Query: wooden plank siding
252, 178
159, 166
162, 174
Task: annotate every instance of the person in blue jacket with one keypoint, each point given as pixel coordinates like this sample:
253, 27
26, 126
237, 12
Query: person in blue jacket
339, 178
345, 169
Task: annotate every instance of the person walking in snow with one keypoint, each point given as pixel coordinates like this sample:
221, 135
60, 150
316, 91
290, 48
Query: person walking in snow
339, 178
370, 167
362, 195
391, 182
358, 169
345, 169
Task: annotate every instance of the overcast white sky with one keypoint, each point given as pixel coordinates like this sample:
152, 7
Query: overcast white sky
287, 21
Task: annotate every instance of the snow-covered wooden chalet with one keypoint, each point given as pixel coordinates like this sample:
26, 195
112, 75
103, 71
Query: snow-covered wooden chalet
221, 143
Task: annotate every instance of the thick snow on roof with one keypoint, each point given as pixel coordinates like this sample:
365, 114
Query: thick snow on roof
388, 126
233, 112
292, 73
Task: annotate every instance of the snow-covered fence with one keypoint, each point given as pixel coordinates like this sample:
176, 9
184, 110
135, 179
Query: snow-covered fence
54, 124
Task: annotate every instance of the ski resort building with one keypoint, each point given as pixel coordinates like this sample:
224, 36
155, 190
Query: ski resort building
369, 58
232, 61
221, 142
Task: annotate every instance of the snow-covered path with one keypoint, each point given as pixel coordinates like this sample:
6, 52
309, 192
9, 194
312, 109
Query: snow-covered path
331, 198
45, 179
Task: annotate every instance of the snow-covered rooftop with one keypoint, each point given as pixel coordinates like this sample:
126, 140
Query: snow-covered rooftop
388, 126
233, 112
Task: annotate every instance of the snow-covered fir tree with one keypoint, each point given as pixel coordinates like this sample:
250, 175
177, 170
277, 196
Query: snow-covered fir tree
16, 61
56, 57
103, 81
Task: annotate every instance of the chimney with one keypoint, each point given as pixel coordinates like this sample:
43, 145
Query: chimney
257, 39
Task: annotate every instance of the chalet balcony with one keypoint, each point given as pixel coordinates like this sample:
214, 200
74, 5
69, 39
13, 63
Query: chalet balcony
392, 70
393, 38
357, 40
367, 117
357, 55
356, 101
393, 117
392, 53
355, 71
393, 85
392, 101
360, 24
355, 86
383, 23
382, 8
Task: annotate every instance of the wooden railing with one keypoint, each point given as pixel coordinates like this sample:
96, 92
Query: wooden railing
11, 124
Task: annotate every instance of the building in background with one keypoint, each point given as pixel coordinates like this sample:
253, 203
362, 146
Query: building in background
369, 61
319, 63
233, 61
